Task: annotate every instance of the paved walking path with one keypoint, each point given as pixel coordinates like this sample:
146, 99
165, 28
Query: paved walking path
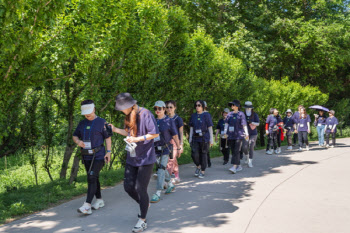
293, 192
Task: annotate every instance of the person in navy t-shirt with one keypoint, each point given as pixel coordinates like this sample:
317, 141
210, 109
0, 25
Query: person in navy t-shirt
201, 137
331, 128
320, 123
303, 128
90, 135
220, 129
288, 122
296, 116
272, 128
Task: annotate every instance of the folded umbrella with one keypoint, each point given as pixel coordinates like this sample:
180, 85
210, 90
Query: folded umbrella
319, 108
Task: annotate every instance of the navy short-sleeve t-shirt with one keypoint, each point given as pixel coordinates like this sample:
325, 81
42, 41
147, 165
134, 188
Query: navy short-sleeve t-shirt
302, 123
330, 122
272, 120
145, 153
252, 118
321, 120
236, 123
179, 123
201, 122
95, 132
167, 129
221, 126
289, 123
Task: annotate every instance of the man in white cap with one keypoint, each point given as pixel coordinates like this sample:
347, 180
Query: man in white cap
90, 135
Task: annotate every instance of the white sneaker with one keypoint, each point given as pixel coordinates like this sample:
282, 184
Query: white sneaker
278, 150
300, 149
85, 209
233, 170
327, 146
307, 148
331, 146
140, 226
99, 203
289, 148
269, 152
239, 168
155, 175
177, 180
246, 162
250, 163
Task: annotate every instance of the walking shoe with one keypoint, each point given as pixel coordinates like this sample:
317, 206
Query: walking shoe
155, 175
209, 164
201, 176
196, 173
155, 198
250, 163
307, 148
85, 208
239, 168
225, 162
177, 180
99, 203
170, 189
300, 149
279, 150
331, 146
233, 170
269, 152
289, 148
327, 146
140, 226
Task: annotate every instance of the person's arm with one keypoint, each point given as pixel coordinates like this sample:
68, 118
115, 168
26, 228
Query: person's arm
109, 148
267, 128
177, 142
181, 132
246, 132
211, 135
191, 135
79, 142
119, 131
308, 127
226, 128
216, 135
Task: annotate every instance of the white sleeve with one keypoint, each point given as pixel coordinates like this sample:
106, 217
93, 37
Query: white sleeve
191, 134
308, 126
334, 126
211, 135
226, 127
246, 130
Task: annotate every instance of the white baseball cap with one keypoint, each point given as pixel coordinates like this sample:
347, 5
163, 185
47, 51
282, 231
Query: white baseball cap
159, 103
87, 109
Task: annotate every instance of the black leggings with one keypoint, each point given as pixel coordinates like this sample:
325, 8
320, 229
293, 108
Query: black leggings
235, 146
225, 151
333, 138
272, 141
200, 154
136, 180
94, 187
302, 136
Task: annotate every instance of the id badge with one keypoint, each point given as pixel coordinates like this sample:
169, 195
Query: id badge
87, 145
157, 139
231, 128
222, 132
330, 126
319, 125
199, 131
159, 148
301, 125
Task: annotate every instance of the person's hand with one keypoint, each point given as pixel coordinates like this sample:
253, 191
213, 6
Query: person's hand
132, 139
295, 131
107, 157
332, 130
246, 137
211, 144
114, 129
308, 131
81, 144
267, 132
181, 151
252, 126
216, 138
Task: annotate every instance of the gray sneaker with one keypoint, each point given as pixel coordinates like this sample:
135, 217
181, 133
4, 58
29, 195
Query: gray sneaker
239, 168
201, 176
196, 173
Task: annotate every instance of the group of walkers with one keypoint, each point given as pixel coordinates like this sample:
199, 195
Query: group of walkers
157, 139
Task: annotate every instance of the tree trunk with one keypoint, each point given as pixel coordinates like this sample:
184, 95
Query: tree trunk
262, 133
75, 167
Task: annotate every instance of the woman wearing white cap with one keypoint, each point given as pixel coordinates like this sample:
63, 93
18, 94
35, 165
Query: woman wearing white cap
252, 122
220, 129
90, 135
288, 122
167, 132
331, 128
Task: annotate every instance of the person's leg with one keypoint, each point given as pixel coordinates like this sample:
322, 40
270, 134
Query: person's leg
327, 138
306, 139
195, 153
274, 137
142, 181
97, 169
238, 144
322, 135
171, 163
163, 161
252, 142
289, 138
295, 138
225, 150
92, 179
204, 148
232, 148
208, 157
278, 136
245, 148
333, 139
300, 139
130, 175
271, 141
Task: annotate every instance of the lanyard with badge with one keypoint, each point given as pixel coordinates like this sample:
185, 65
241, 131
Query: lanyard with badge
157, 139
320, 119
231, 128
88, 142
199, 130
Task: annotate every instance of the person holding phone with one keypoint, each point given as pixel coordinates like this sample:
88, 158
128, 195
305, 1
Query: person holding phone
90, 135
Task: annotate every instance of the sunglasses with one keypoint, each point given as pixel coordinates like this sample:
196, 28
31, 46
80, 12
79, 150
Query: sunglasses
198, 105
170, 107
158, 109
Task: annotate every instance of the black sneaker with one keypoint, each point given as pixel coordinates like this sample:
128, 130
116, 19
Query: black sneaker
201, 176
196, 173
225, 162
